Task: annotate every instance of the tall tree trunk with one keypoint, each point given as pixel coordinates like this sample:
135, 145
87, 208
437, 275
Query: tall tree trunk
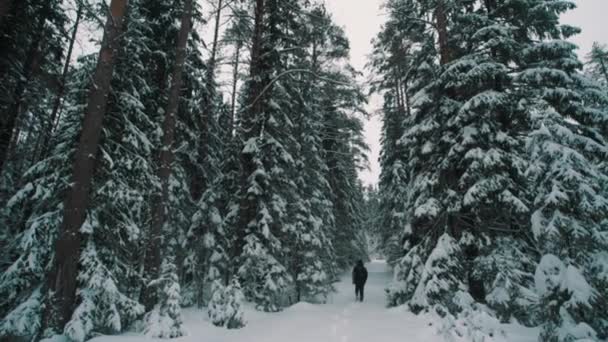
247, 205
213, 58
9, 127
442, 32
450, 176
398, 94
408, 106
235, 80
161, 200
62, 282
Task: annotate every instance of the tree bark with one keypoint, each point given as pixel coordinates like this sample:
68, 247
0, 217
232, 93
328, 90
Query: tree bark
166, 156
408, 106
398, 96
235, 80
442, 32
213, 58
62, 281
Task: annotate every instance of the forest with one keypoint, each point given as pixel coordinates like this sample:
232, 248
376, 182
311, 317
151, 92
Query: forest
206, 154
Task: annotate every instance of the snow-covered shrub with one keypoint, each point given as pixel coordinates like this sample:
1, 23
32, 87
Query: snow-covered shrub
102, 306
216, 305
442, 278
225, 307
25, 319
165, 320
407, 273
266, 278
568, 224
507, 273
598, 273
567, 299
475, 323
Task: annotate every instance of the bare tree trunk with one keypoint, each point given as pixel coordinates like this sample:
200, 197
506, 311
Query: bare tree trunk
161, 200
62, 281
235, 80
398, 94
213, 58
442, 32
408, 106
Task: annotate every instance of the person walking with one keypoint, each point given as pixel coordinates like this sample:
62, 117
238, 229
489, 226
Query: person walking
359, 279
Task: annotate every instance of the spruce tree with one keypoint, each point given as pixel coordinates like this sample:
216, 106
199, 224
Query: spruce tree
568, 186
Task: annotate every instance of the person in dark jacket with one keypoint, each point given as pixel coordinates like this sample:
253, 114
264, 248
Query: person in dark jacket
359, 279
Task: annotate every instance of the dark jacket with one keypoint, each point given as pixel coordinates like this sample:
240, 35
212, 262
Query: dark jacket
359, 274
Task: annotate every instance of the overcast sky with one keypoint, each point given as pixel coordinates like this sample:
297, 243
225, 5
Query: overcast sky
362, 19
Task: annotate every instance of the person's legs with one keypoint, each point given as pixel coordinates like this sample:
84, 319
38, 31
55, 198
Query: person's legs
359, 291
362, 290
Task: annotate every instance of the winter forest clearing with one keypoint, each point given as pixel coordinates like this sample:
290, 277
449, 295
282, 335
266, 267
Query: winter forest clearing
191, 169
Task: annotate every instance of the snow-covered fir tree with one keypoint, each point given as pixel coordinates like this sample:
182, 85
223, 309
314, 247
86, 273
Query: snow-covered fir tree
164, 320
282, 208
568, 186
502, 72
109, 282
225, 306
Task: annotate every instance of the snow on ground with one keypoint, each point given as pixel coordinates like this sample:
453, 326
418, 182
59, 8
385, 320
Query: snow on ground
342, 319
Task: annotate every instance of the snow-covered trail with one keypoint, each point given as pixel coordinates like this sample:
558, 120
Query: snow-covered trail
342, 319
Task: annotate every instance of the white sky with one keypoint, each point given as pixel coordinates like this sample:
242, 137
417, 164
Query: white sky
362, 19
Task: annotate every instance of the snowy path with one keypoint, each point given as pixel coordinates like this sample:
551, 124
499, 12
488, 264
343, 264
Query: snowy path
342, 319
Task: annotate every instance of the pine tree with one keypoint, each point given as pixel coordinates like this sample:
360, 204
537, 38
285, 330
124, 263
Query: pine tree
63, 281
565, 146
463, 152
225, 307
398, 61
567, 223
497, 72
38, 210
123, 179
164, 320
161, 200
262, 209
